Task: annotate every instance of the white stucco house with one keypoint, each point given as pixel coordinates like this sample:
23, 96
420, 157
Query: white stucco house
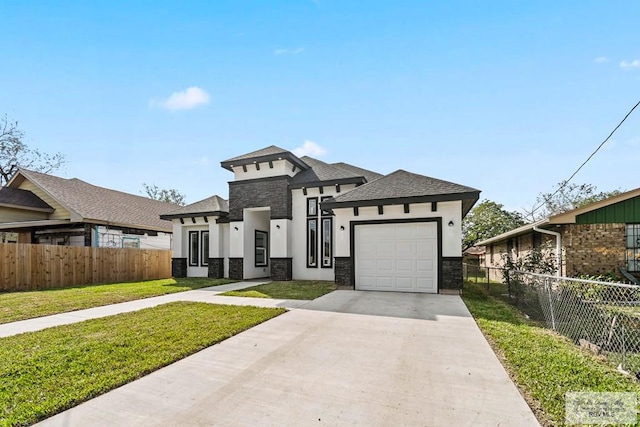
299, 218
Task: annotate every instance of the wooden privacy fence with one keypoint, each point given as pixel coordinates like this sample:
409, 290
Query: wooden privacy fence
32, 267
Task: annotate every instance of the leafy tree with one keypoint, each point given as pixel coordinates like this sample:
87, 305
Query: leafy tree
486, 220
570, 196
164, 195
15, 153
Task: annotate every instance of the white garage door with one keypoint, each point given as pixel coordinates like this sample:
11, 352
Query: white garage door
397, 257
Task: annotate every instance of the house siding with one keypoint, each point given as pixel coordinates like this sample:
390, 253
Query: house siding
59, 211
17, 215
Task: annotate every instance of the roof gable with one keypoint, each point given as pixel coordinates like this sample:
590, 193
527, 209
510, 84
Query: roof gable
22, 199
99, 204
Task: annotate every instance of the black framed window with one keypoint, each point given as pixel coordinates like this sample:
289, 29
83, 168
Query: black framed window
327, 243
312, 206
633, 247
262, 245
325, 213
204, 237
194, 248
312, 242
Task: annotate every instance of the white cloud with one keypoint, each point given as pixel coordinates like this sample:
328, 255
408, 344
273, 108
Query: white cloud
601, 59
628, 65
309, 148
295, 51
187, 99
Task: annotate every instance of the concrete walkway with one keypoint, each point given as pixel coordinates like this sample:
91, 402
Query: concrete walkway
209, 295
347, 358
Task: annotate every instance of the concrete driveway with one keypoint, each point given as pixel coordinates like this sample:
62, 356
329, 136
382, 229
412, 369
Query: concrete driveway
348, 358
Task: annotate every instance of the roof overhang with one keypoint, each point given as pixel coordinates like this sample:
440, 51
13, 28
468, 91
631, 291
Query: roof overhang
357, 180
525, 229
230, 164
193, 215
468, 200
16, 226
569, 217
26, 208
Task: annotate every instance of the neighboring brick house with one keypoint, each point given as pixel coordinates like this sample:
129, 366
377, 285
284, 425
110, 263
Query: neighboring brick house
599, 238
292, 217
46, 209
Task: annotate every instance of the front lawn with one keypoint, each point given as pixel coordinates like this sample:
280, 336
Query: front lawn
543, 364
45, 372
16, 306
298, 289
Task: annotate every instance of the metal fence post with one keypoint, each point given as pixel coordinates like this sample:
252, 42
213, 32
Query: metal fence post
553, 316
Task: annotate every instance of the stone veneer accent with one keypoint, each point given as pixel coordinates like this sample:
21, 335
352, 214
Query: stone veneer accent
179, 267
593, 248
451, 273
216, 268
273, 192
281, 268
236, 268
342, 272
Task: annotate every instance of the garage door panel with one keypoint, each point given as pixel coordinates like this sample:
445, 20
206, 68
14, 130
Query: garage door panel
404, 257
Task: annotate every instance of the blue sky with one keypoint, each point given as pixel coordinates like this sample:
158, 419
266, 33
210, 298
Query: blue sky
504, 96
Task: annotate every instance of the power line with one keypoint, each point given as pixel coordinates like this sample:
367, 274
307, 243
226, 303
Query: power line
564, 184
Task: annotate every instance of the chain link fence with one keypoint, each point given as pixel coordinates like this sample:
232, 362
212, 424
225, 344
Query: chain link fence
602, 317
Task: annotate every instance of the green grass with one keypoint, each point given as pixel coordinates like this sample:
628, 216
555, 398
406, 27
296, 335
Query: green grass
16, 306
45, 372
299, 289
543, 364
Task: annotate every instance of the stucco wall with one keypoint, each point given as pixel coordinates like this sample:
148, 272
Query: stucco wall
254, 219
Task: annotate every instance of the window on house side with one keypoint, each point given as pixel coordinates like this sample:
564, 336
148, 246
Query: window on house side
327, 252
312, 243
194, 247
633, 247
262, 243
205, 248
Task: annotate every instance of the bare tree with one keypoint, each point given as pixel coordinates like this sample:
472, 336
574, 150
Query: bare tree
15, 153
164, 195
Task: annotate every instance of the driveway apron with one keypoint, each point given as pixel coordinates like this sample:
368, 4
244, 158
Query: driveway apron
347, 358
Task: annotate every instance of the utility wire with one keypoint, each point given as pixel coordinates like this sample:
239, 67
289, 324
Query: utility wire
564, 184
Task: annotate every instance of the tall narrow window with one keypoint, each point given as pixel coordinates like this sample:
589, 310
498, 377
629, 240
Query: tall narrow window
194, 247
633, 247
262, 243
312, 206
327, 242
205, 248
312, 242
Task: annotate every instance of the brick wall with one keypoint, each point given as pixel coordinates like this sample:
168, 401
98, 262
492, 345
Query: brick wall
216, 268
593, 248
273, 192
281, 268
179, 267
452, 273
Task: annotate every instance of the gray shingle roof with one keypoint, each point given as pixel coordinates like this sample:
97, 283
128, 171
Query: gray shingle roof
102, 204
264, 155
268, 151
321, 171
210, 205
405, 187
369, 175
402, 184
18, 197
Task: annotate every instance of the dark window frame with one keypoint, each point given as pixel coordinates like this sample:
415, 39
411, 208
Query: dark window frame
311, 248
322, 211
204, 261
265, 248
309, 214
193, 234
323, 253
632, 246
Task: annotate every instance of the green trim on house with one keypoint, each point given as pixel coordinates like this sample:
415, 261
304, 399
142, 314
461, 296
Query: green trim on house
624, 212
